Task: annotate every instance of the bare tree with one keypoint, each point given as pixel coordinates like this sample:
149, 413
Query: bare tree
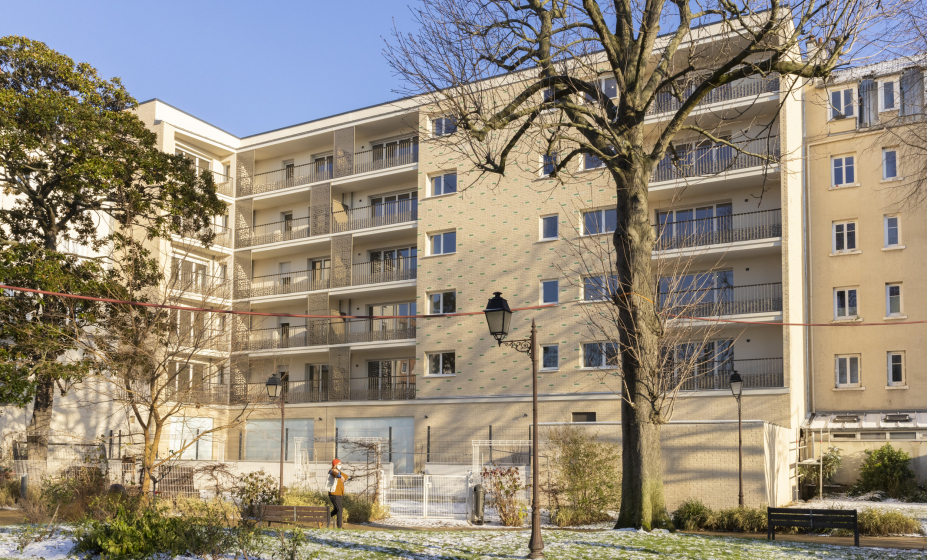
513, 77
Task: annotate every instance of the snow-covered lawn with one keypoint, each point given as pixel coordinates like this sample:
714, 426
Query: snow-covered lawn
349, 545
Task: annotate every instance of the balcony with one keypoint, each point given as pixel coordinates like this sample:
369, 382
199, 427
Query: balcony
194, 338
390, 388
724, 301
223, 183
756, 373
747, 87
377, 272
750, 226
371, 330
190, 283
283, 337
716, 159
386, 214
274, 232
290, 282
186, 392
382, 156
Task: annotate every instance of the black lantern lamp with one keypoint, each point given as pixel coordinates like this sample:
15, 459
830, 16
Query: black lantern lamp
498, 317
737, 385
273, 386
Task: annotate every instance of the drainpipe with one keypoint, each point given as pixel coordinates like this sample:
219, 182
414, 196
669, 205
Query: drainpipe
806, 208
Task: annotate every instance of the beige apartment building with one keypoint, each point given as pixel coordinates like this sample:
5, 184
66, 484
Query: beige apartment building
866, 262
365, 214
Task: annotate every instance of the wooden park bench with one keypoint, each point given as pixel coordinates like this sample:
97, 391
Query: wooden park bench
296, 514
811, 519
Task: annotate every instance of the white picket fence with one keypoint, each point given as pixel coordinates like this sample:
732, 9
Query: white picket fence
427, 496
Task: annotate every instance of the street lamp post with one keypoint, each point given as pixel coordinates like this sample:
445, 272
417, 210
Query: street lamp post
273, 391
737, 388
499, 318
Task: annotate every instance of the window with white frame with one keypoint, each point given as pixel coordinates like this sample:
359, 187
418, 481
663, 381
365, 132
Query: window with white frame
844, 236
444, 184
549, 162
888, 95
441, 363
844, 172
892, 227
600, 221
846, 370
442, 302
601, 355
895, 364
889, 163
550, 227
893, 302
592, 161
443, 126
444, 243
607, 86
599, 288
550, 356
845, 304
841, 103
550, 291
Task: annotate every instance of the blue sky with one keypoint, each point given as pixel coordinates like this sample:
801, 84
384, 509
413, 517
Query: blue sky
245, 67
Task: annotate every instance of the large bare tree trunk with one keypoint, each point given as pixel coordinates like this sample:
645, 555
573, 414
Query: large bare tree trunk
642, 500
39, 427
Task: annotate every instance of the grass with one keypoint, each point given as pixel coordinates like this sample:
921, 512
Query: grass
423, 545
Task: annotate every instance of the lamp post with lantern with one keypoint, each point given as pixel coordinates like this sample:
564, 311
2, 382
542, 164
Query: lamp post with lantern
499, 319
274, 392
737, 388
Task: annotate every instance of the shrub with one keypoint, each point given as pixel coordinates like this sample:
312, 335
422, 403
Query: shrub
585, 475
305, 497
566, 516
9, 492
360, 510
257, 489
810, 474
692, 515
288, 548
886, 470
878, 522
73, 493
502, 488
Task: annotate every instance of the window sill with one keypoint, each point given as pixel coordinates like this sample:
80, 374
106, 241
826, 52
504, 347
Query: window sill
841, 187
893, 248
547, 240
896, 387
589, 301
435, 256
601, 368
848, 320
891, 180
548, 370
895, 318
849, 388
440, 195
842, 253
439, 375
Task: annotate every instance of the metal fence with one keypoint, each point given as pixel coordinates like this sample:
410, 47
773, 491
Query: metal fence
427, 496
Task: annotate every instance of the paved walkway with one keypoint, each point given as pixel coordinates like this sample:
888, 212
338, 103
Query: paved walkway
911, 543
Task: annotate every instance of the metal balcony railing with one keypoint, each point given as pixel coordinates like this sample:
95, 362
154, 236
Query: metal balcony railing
747, 87
276, 338
223, 183
371, 330
290, 282
193, 283
292, 176
181, 391
732, 300
388, 388
194, 337
756, 373
749, 226
392, 154
377, 215
715, 159
376, 272
274, 232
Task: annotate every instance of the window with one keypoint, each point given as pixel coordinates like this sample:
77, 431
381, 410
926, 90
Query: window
841, 103
443, 126
441, 363
550, 356
591, 161
583, 417
444, 243
887, 95
600, 354
393, 205
549, 227
701, 225
843, 171
845, 304
193, 437
600, 221
550, 163
262, 438
893, 300
444, 184
443, 302
844, 236
607, 86
847, 370
889, 164
892, 231
895, 369
550, 291
597, 288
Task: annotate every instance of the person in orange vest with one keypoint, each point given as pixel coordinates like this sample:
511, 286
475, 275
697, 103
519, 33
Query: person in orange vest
336, 480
